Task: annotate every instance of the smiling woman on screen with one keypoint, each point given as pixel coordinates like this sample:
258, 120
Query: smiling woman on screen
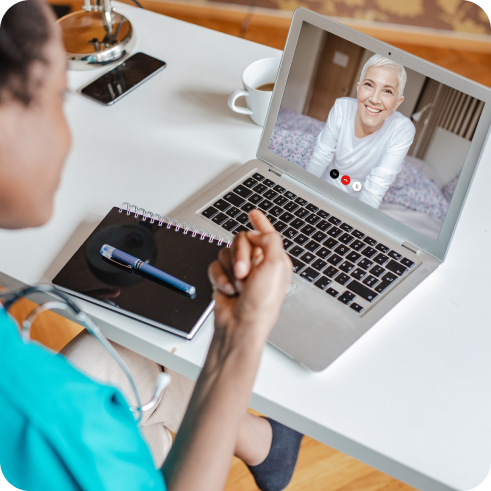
365, 138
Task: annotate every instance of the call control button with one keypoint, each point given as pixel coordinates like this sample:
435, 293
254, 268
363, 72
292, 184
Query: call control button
357, 186
334, 174
345, 180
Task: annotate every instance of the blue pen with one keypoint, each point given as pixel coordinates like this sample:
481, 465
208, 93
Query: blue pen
128, 260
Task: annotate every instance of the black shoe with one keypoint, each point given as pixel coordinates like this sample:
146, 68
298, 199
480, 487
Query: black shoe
275, 473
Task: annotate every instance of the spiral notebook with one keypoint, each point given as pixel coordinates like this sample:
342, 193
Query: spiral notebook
178, 249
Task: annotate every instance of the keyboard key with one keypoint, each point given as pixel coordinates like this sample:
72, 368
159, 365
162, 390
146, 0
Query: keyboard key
248, 207
272, 219
242, 191
297, 223
323, 214
381, 259
258, 176
322, 282
230, 224
363, 291
286, 217
255, 198
377, 271
233, 212
319, 236
260, 188
395, 255
359, 273
334, 232
209, 212
248, 226
313, 219
353, 256
234, 199
346, 238
309, 274
319, 264
341, 249
301, 239
369, 252
357, 245
239, 229
269, 183
346, 227
290, 233
346, 266
335, 260
407, 262
270, 194
394, 266
358, 234
312, 208
308, 257
296, 251
323, 225
365, 263
242, 218
332, 292
287, 243
301, 201
334, 221
220, 218
369, 241
297, 264
383, 286
323, 252
342, 278
280, 226
301, 213
331, 271
276, 211
279, 189
250, 182
331, 243
356, 307
280, 200
222, 205
308, 230
290, 195
390, 277
312, 246
370, 281
265, 205
382, 248
290, 206
345, 299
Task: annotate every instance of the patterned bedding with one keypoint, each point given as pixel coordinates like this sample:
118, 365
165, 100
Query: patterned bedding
294, 139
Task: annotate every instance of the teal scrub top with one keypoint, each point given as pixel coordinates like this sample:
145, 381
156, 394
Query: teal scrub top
59, 430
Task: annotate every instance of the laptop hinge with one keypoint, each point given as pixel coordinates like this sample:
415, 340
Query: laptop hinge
409, 246
275, 173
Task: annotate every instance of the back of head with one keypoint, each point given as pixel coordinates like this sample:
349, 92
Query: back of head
379, 61
24, 32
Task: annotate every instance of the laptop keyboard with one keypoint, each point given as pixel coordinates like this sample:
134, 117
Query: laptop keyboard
329, 253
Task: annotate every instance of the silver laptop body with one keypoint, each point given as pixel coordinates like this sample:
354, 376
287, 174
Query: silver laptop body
315, 328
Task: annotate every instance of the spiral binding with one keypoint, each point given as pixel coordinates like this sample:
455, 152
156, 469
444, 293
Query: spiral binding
153, 217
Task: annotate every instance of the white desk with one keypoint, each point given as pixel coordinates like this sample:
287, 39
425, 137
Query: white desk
411, 398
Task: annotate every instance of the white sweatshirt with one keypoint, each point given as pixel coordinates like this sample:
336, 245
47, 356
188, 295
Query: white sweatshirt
374, 161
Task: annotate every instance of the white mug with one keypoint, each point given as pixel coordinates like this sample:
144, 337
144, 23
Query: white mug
259, 73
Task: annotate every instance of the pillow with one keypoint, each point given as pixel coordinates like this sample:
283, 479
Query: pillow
293, 145
449, 188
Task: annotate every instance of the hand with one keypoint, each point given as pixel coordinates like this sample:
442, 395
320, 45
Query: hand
250, 280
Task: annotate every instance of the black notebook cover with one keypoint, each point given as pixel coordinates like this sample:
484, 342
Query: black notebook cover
95, 278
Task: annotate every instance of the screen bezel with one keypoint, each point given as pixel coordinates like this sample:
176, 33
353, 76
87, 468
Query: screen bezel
436, 248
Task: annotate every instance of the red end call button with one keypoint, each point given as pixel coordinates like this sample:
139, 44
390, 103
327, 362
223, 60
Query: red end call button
345, 180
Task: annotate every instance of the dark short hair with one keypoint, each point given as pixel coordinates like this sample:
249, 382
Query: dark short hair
24, 33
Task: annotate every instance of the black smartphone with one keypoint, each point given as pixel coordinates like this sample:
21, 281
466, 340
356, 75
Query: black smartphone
124, 78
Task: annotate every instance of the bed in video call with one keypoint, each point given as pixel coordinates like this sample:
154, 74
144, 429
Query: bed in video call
387, 135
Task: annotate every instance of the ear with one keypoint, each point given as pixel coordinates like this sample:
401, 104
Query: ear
357, 87
399, 102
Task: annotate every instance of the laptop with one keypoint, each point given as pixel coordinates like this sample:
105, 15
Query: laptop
354, 259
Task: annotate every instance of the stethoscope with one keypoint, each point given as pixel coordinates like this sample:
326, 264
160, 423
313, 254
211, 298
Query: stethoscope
64, 302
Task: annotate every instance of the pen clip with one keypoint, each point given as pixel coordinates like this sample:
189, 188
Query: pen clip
118, 263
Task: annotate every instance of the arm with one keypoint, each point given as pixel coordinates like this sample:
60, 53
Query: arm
381, 177
250, 282
327, 141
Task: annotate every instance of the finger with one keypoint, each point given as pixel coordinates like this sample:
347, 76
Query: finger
260, 222
220, 280
241, 254
270, 243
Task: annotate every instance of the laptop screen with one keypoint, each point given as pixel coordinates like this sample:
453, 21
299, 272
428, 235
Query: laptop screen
387, 135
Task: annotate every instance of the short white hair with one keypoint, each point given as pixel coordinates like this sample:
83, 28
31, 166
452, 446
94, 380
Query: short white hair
379, 61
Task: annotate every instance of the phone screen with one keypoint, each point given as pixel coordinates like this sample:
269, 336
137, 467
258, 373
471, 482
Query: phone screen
125, 77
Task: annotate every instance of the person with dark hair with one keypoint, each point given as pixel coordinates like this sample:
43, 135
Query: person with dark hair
63, 430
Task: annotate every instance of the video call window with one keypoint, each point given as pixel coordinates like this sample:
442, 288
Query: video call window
387, 135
